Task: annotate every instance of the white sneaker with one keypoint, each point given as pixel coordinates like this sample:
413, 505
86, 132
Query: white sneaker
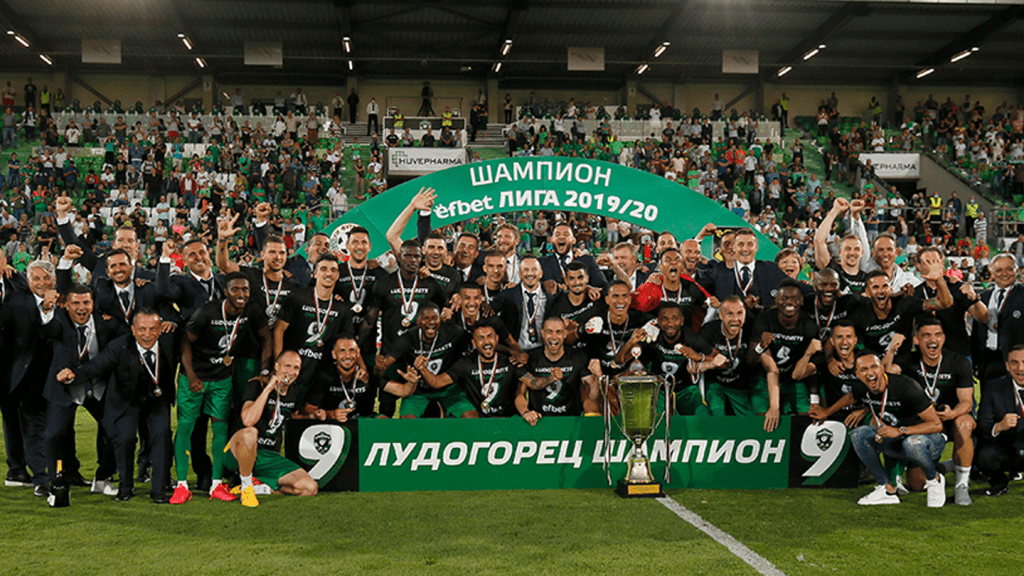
879, 496
936, 489
901, 490
105, 487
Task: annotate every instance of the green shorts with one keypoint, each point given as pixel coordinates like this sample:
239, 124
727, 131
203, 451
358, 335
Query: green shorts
688, 402
793, 398
214, 400
720, 397
452, 398
270, 466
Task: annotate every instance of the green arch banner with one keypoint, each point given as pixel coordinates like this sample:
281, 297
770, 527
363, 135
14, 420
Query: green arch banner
544, 183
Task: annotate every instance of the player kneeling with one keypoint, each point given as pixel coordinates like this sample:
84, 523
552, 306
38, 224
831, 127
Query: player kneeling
268, 402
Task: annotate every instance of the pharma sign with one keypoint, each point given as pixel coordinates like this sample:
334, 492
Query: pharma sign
896, 166
509, 454
548, 183
419, 161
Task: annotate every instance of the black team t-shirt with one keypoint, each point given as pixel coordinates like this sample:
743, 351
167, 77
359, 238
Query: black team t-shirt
789, 344
562, 397
387, 294
737, 374
490, 386
276, 411
954, 373
903, 403
213, 328
330, 392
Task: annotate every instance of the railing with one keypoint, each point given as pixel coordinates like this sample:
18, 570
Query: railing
632, 130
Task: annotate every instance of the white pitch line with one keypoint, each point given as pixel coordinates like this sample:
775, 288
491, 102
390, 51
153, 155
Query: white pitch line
755, 560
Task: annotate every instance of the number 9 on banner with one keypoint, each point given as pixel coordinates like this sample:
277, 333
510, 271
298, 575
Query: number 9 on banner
324, 447
826, 446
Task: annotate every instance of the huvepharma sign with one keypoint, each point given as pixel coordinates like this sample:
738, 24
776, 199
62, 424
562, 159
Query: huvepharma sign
545, 183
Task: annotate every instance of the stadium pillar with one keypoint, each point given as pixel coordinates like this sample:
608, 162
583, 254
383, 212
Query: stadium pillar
759, 94
631, 96
157, 89
495, 102
209, 90
890, 101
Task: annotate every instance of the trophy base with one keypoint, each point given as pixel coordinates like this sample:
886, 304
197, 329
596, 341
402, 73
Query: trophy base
644, 490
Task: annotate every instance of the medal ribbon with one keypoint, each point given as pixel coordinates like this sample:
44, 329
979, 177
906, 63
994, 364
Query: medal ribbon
358, 290
407, 304
885, 398
234, 327
486, 386
266, 293
321, 325
931, 389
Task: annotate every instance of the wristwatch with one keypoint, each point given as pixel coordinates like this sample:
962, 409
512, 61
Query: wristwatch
903, 430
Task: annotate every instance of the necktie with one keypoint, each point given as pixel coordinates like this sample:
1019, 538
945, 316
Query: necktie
745, 277
125, 300
83, 340
531, 306
999, 299
151, 361
210, 293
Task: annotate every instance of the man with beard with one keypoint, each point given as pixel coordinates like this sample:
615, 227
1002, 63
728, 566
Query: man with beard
310, 318
208, 350
124, 239
300, 268
678, 353
439, 345
835, 377
947, 380
903, 425
489, 379
470, 314
671, 284
343, 390
729, 386
1003, 331
356, 279
506, 240
884, 319
964, 302
780, 337
435, 251
607, 330
559, 382
828, 305
564, 243
523, 307
756, 281
575, 302
851, 277
270, 288
1001, 426
883, 253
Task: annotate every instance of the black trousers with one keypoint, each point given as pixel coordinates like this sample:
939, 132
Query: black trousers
32, 407
60, 425
14, 440
156, 413
371, 124
201, 463
995, 459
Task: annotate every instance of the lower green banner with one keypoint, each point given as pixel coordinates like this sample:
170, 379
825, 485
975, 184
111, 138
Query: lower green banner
509, 454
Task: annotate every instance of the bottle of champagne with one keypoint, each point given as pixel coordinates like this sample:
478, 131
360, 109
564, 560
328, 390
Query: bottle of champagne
60, 495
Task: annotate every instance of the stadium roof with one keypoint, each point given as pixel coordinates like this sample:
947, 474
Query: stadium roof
864, 41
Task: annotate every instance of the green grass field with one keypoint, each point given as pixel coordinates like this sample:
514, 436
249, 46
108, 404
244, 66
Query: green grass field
513, 532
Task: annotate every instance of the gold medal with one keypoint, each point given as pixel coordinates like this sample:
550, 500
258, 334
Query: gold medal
228, 360
406, 322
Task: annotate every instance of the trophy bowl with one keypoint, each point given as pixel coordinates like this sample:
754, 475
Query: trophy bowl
638, 418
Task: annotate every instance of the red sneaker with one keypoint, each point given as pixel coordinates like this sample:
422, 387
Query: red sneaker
181, 495
221, 492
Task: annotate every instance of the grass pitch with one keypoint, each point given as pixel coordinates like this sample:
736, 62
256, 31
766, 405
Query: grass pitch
801, 531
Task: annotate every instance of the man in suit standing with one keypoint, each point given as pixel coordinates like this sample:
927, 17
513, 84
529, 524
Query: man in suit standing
623, 263
12, 283
78, 334
118, 293
125, 238
31, 357
142, 388
1005, 303
755, 281
1001, 426
564, 243
523, 307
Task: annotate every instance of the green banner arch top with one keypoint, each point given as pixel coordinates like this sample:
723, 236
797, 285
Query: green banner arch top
544, 183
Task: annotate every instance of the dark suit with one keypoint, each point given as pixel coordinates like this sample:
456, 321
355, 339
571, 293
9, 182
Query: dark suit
31, 357
549, 266
1009, 330
131, 397
767, 276
297, 266
14, 441
508, 304
1004, 453
107, 301
64, 399
97, 265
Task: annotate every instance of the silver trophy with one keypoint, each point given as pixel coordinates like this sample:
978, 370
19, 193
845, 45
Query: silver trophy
638, 418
